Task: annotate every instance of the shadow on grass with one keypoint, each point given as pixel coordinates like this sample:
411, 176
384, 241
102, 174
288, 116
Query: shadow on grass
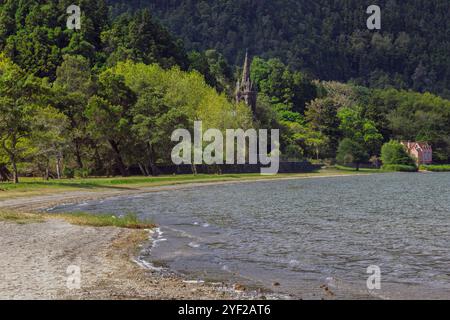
76, 185
128, 183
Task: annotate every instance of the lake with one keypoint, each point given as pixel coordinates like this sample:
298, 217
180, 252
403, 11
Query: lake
303, 234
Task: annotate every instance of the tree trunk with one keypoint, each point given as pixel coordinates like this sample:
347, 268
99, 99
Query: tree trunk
151, 161
143, 170
12, 157
58, 167
194, 169
78, 154
119, 161
5, 175
15, 171
357, 166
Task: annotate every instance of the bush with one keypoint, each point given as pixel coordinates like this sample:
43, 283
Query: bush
399, 168
81, 173
394, 153
350, 151
436, 168
69, 173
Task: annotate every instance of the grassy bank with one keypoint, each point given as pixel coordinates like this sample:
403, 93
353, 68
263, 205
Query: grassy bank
129, 221
436, 168
385, 168
361, 170
36, 186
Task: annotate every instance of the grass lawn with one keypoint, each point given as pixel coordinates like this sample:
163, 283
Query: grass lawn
361, 170
129, 221
37, 186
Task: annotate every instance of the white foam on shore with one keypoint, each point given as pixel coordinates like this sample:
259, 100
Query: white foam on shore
146, 265
194, 245
156, 236
193, 281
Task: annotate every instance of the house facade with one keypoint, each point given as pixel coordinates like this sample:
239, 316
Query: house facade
421, 151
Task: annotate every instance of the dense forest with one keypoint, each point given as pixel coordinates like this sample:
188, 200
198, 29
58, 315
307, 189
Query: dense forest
327, 39
105, 99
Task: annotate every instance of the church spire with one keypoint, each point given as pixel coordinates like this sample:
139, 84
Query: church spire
246, 70
244, 88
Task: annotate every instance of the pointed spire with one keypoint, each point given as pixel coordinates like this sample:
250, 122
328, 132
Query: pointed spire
244, 90
246, 70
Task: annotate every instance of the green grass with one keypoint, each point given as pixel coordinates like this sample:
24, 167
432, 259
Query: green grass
129, 221
94, 183
436, 168
21, 218
361, 170
37, 186
399, 168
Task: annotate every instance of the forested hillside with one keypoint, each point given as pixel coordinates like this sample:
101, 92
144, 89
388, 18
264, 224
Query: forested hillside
326, 38
104, 100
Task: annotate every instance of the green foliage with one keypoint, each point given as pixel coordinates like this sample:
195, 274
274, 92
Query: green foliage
322, 117
108, 115
137, 37
415, 117
399, 168
436, 168
327, 39
34, 33
288, 90
351, 152
357, 128
394, 153
69, 173
19, 95
79, 173
107, 97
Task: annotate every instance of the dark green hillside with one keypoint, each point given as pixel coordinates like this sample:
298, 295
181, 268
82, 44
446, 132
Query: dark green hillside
326, 38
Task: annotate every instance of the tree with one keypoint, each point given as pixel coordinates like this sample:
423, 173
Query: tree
108, 115
394, 153
73, 87
18, 96
153, 123
321, 114
313, 140
36, 37
357, 128
292, 90
139, 38
49, 137
350, 151
326, 39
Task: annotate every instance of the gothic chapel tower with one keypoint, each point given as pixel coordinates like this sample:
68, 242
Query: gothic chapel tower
244, 88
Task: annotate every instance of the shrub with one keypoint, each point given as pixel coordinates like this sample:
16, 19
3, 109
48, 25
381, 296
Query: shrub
399, 168
436, 168
69, 173
350, 151
81, 173
394, 153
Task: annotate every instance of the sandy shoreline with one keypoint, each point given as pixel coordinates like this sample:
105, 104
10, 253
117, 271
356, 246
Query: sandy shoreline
34, 257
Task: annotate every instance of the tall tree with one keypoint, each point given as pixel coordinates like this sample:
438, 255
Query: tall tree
108, 114
18, 96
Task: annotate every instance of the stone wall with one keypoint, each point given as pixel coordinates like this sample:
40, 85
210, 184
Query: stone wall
285, 167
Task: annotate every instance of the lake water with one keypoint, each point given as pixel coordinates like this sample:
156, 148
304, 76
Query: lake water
305, 233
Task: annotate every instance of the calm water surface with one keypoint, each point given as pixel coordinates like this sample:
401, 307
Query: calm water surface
305, 233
